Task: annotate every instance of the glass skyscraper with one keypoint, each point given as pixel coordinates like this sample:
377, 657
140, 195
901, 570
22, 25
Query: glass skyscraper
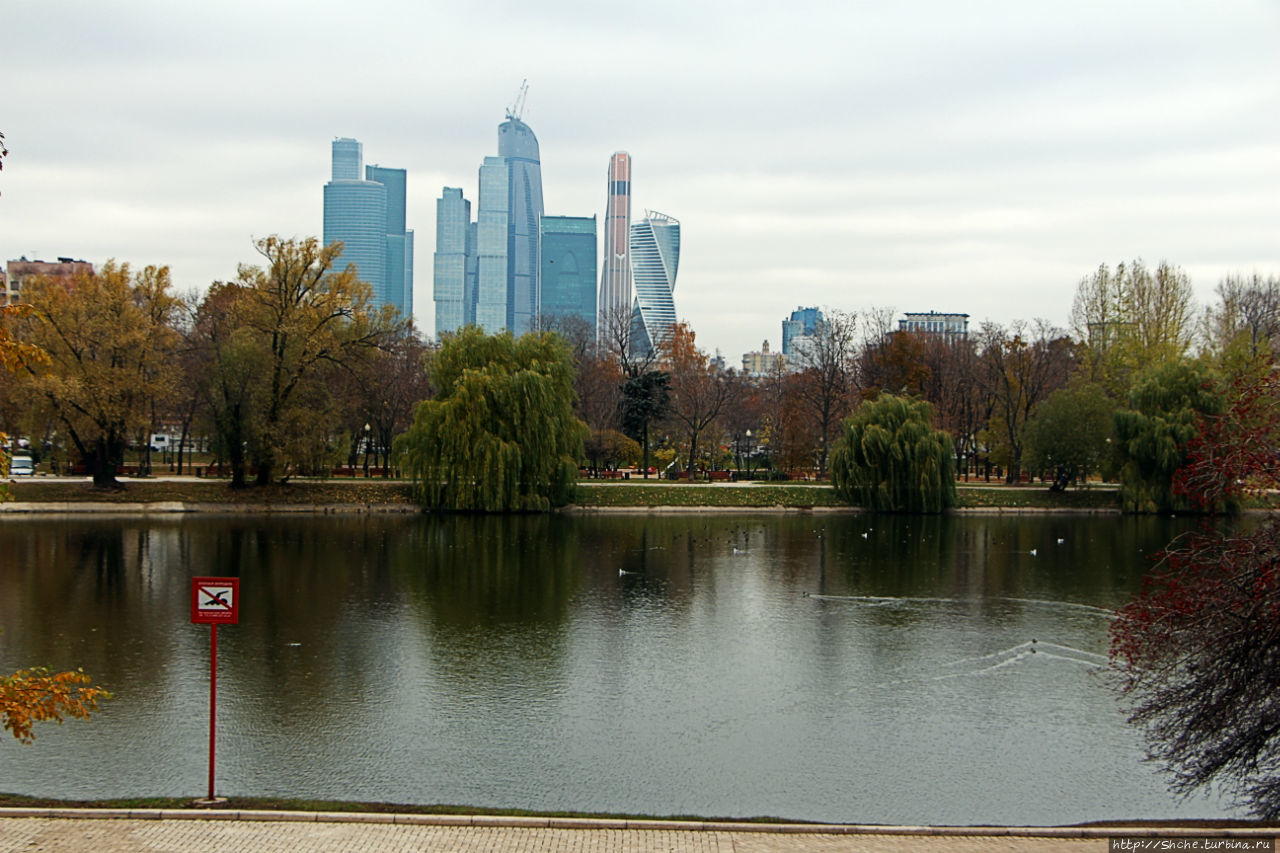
518, 147
364, 209
655, 259
615, 276
492, 232
567, 268
803, 324
451, 261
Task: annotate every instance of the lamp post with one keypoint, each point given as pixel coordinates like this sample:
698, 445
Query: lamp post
749, 449
366, 450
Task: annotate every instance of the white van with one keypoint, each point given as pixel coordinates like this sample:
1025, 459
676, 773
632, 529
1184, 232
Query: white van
21, 466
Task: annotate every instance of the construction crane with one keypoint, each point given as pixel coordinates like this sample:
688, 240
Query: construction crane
517, 108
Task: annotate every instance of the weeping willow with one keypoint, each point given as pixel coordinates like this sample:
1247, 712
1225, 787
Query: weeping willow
891, 459
500, 435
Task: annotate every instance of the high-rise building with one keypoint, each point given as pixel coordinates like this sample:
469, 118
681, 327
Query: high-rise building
762, 362
505, 294
804, 323
655, 260
933, 323
615, 276
453, 258
16, 273
399, 267
519, 148
567, 268
489, 305
364, 209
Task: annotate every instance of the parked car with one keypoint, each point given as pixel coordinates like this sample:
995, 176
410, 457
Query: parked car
21, 466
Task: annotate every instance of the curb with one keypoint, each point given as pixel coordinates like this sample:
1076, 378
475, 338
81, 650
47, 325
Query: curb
642, 825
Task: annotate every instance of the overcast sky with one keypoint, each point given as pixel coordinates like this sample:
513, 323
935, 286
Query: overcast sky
972, 156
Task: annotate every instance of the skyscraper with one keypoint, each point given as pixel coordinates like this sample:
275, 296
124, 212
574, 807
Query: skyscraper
367, 215
519, 148
803, 324
615, 276
567, 268
399, 268
451, 261
655, 259
489, 305
505, 294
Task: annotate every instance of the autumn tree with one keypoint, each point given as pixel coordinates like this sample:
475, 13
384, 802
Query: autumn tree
1199, 648
954, 385
1245, 324
500, 434
1021, 366
891, 459
700, 389
31, 696
109, 339
382, 390
825, 382
302, 319
1130, 318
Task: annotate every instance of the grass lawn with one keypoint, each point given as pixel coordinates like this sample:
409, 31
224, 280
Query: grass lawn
591, 494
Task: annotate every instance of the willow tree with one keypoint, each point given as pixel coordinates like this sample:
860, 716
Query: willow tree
1167, 406
891, 459
500, 435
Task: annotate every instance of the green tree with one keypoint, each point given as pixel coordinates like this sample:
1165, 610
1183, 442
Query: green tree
110, 339
501, 435
891, 459
1152, 436
1069, 433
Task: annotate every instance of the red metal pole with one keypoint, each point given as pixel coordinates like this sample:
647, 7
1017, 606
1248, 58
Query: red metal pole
213, 703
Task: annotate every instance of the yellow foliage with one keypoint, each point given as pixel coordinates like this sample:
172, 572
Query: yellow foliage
38, 695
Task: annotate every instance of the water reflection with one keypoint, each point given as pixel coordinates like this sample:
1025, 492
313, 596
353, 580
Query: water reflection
843, 668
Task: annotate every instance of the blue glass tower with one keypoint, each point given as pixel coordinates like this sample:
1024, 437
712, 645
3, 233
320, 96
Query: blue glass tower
519, 148
364, 209
803, 323
655, 260
452, 259
492, 226
567, 268
399, 264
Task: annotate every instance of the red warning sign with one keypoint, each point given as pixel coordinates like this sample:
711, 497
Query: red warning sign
215, 601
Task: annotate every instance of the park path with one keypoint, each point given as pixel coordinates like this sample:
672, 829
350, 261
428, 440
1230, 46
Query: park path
263, 832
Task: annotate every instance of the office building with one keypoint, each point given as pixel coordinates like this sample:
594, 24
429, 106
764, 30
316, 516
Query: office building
364, 209
655, 260
763, 362
16, 273
803, 323
505, 290
399, 265
933, 323
454, 257
615, 300
567, 269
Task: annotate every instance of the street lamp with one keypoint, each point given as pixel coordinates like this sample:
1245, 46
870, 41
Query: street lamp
366, 450
749, 449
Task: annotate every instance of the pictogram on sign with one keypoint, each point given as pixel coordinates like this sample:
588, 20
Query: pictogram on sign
215, 601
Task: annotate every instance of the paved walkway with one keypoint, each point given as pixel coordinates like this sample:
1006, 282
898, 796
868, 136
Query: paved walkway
105, 831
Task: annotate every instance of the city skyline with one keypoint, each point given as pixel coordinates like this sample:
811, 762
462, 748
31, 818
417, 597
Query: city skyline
917, 157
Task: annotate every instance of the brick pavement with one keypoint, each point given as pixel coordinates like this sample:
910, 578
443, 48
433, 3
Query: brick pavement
232, 832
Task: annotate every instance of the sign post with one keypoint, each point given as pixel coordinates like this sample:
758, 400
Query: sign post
214, 602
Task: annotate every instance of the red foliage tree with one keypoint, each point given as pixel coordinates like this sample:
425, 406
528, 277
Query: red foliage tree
1199, 648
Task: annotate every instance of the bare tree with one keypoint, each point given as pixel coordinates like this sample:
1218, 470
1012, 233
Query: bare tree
1248, 315
826, 381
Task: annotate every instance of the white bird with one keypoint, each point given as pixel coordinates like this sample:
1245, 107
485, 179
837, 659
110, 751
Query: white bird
1060, 541
1033, 552
864, 536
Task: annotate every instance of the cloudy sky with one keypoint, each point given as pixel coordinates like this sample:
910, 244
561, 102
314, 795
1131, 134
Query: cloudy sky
919, 155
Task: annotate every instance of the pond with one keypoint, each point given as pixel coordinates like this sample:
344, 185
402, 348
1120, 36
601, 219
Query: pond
840, 668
